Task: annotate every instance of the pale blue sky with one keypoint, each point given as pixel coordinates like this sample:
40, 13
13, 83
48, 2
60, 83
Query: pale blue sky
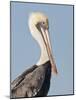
25, 51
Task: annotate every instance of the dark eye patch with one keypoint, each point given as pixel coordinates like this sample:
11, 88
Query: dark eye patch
42, 24
38, 26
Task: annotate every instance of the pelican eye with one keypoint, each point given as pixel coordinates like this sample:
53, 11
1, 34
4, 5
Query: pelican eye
43, 23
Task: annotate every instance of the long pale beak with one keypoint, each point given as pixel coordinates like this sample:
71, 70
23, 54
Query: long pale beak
45, 36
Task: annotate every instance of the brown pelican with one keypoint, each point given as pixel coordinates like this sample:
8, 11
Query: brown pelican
35, 81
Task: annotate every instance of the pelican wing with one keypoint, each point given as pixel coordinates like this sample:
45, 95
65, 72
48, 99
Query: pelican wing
31, 83
19, 79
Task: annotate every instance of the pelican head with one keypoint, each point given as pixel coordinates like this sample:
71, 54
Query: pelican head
39, 27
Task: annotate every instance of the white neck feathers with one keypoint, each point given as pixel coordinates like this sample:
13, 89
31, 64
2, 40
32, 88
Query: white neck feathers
37, 36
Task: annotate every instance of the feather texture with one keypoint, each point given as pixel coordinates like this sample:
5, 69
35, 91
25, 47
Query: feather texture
30, 83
